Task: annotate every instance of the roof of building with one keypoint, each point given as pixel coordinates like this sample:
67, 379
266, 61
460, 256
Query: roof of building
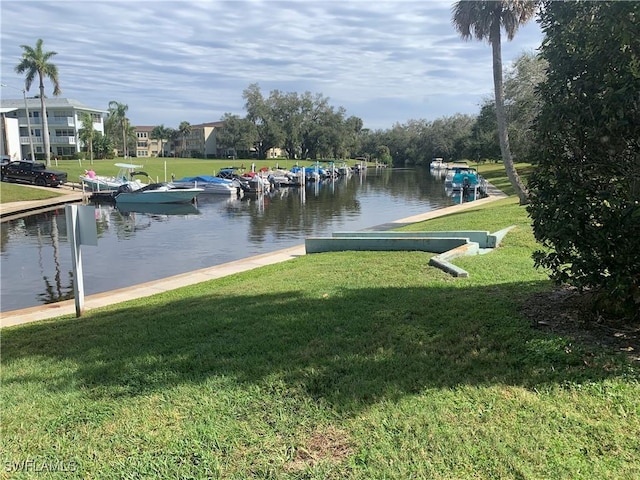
148, 128
208, 124
50, 103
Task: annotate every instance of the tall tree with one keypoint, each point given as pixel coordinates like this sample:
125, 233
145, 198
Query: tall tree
161, 133
485, 20
36, 62
585, 191
523, 104
185, 131
118, 119
287, 110
102, 146
237, 135
485, 144
87, 133
172, 135
260, 114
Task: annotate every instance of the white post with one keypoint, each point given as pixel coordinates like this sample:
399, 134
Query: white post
81, 229
26, 108
76, 256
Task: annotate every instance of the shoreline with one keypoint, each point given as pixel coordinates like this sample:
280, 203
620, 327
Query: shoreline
99, 300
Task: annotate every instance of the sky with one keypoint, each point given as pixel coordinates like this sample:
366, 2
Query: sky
384, 61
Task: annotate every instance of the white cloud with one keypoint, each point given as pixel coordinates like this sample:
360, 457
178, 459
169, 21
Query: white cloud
384, 61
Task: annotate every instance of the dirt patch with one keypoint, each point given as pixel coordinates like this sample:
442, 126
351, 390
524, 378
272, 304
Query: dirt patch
567, 312
330, 445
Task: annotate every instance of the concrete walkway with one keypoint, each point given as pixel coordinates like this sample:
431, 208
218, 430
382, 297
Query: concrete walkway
43, 312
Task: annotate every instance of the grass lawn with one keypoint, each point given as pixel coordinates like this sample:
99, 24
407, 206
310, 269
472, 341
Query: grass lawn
15, 192
359, 365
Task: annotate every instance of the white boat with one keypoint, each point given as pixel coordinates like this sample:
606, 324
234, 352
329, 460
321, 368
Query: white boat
344, 169
209, 184
102, 183
438, 164
283, 178
157, 193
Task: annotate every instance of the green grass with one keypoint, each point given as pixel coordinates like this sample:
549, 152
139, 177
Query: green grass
338, 365
14, 192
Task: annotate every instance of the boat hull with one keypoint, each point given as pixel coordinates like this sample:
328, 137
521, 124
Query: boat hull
211, 185
170, 195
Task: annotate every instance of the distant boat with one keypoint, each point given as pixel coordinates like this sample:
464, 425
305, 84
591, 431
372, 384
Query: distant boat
209, 184
103, 183
157, 193
284, 178
438, 163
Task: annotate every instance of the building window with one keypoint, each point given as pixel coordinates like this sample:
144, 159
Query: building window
61, 114
65, 133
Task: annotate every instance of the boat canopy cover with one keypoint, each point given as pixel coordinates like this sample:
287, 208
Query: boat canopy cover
202, 179
127, 165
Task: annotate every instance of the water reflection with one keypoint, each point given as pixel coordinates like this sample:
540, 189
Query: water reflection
146, 243
158, 209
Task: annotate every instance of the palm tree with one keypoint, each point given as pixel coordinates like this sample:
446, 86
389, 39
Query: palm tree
118, 119
185, 130
87, 133
36, 62
160, 132
485, 20
172, 135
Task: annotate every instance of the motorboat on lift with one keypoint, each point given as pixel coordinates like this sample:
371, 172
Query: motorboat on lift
102, 183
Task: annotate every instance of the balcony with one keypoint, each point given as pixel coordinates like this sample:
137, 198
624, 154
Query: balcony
63, 140
67, 121
36, 140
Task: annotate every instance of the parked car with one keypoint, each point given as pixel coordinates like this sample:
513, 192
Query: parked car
32, 172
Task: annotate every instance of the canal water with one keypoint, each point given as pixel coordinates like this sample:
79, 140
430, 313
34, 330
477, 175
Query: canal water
141, 246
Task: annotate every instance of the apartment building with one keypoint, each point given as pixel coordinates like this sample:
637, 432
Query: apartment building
201, 142
64, 121
145, 145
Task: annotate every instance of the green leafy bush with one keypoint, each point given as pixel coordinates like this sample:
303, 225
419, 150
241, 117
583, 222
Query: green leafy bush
586, 190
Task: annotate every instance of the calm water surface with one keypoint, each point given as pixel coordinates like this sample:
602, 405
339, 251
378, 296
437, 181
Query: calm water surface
136, 247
